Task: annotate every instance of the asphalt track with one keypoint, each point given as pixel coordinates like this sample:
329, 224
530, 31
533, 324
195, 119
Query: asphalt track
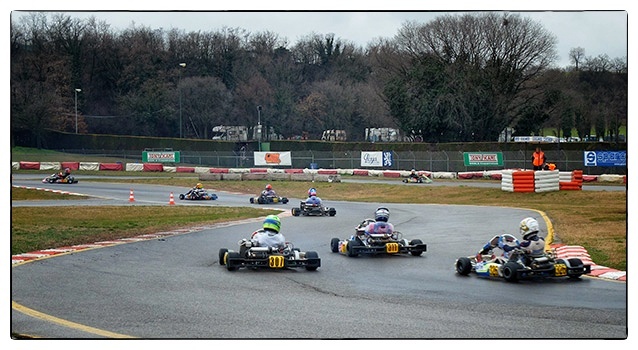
173, 287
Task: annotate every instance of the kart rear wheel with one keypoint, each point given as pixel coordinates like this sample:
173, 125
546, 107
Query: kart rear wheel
510, 271
416, 252
352, 244
222, 256
229, 257
312, 255
463, 266
334, 245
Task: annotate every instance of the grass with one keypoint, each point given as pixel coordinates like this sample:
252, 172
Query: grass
595, 220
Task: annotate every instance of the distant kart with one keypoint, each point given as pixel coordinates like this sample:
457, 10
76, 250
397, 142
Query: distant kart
268, 257
54, 178
192, 195
313, 209
373, 244
263, 199
520, 265
421, 179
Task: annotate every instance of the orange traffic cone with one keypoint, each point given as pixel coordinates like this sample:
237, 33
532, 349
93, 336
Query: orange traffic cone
131, 198
171, 200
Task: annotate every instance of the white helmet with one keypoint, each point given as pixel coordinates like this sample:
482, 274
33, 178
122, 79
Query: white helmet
382, 214
528, 227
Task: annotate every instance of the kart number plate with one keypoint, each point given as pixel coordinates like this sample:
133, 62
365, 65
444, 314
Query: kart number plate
392, 248
493, 268
560, 270
275, 200
276, 261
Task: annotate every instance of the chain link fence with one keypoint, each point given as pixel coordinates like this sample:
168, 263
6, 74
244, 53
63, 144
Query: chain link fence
434, 161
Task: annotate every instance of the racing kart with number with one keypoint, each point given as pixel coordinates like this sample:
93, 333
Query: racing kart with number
313, 209
263, 199
521, 265
362, 243
268, 257
421, 179
201, 195
55, 178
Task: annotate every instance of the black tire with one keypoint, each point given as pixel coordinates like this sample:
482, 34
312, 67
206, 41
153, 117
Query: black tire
405, 181
229, 256
352, 244
284, 200
463, 266
295, 211
252, 200
312, 255
332, 212
416, 252
181, 196
50, 180
222, 256
576, 263
510, 271
334, 245
261, 200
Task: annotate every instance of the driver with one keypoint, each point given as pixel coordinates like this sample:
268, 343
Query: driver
63, 174
506, 243
532, 243
413, 175
312, 197
380, 224
269, 235
197, 191
268, 191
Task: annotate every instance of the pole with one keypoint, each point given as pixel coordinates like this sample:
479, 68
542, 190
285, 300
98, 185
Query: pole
183, 65
259, 125
76, 109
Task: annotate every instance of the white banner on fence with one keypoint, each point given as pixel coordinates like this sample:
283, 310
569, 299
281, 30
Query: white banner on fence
372, 159
273, 158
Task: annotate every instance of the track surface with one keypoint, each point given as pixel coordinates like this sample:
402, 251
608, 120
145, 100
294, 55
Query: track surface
175, 288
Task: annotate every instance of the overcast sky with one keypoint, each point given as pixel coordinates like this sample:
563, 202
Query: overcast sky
598, 32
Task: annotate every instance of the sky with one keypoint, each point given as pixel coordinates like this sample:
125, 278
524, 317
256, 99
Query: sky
598, 29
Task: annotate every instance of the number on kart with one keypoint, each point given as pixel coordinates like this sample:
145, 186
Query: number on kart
493, 270
276, 261
392, 248
560, 270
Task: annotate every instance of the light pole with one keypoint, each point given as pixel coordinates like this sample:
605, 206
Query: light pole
76, 109
259, 125
183, 65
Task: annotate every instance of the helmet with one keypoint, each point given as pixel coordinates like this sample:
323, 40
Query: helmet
382, 214
312, 192
413, 170
199, 185
508, 242
528, 227
268, 187
67, 171
272, 222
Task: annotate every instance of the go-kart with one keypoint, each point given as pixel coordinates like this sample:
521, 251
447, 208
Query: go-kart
198, 195
268, 257
373, 244
521, 265
313, 209
55, 178
421, 179
264, 199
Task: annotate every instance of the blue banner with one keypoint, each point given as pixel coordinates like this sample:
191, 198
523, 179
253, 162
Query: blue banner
605, 158
387, 159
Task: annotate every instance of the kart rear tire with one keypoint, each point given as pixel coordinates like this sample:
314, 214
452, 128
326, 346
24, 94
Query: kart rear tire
352, 244
463, 266
334, 245
510, 271
416, 252
312, 255
222, 256
229, 256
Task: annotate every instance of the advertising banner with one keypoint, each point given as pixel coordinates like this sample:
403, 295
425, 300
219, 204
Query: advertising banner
605, 158
160, 157
273, 158
473, 158
376, 159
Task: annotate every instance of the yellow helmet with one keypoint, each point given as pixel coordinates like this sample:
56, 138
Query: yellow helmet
199, 185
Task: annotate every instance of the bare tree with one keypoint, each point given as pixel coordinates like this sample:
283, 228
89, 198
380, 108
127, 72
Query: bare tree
576, 56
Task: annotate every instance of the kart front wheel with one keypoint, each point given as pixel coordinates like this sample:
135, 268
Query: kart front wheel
181, 196
314, 266
222, 256
510, 271
295, 211
463, 266
229, 260
352, 244
416, 252
334, 245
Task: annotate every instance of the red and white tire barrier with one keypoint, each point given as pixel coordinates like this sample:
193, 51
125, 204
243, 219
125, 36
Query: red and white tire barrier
570, 251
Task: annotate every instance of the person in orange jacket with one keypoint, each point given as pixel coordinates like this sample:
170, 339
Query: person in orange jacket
538, 159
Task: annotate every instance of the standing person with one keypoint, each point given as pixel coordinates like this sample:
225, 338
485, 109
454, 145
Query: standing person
538, 159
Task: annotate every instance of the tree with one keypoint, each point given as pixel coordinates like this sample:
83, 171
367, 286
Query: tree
576, 56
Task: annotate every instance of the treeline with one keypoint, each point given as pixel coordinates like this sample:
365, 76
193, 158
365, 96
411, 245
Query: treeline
457, 78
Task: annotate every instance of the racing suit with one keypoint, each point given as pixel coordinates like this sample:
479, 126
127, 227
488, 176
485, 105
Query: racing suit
313, 200
534, 245
380, 227
268, 238
268, 193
